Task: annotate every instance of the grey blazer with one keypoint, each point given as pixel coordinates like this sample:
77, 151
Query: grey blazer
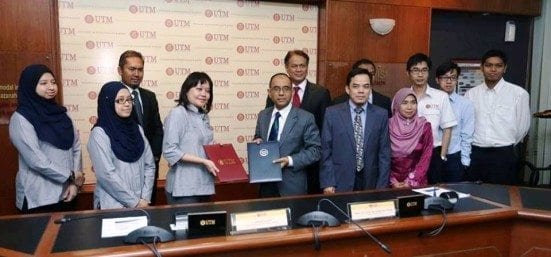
299, 139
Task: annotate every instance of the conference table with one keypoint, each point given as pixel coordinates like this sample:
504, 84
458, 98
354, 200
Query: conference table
495, 220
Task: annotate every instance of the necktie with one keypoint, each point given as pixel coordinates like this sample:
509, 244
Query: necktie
358, 138
296, 98
137, 106
275, 128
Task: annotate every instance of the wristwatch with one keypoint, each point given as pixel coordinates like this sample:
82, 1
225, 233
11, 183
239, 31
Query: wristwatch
71, 178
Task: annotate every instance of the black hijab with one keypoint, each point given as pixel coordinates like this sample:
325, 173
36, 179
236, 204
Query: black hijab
50, 120
124, 133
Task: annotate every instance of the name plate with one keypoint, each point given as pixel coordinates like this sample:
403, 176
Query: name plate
372, 210
260, 221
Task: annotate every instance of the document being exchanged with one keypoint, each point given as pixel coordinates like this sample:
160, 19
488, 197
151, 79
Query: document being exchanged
436, 191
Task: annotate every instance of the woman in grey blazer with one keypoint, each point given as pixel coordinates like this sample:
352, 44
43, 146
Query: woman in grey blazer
190, 178
50, 160
120, 153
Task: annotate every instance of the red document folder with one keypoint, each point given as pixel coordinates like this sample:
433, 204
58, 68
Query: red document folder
226, 160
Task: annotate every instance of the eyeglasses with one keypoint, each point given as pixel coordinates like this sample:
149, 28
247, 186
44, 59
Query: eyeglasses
124, 100
446, 78
419, 71
280, 89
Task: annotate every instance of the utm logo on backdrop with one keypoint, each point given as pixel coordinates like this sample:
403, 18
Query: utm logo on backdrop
98, 19
246, 116
244, 139
217, 60
310, 51
172, 95
66, 4
284, 17
177, 47
309, 29
248, 72
247, 26
69, 82
278, 62
221, 106
221, 83
69, 57
92, 95
71, 107
307, 7
64, 31
217, 13
150, 58
149, 83
98, 70
248, 94
217, 37
248, 49
283, 40
249, 4
142, 9
177, 71
99, 44
143, 34
177, 23
219, 129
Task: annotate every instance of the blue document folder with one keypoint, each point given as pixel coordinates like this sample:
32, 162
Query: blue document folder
261, 166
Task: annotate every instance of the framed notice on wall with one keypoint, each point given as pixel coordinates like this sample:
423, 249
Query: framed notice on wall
470, 77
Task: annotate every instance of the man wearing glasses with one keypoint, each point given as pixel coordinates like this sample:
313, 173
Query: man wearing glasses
298, 136
459, 150
433, 104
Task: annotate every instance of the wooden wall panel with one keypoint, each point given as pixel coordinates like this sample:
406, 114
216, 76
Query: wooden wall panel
349, 37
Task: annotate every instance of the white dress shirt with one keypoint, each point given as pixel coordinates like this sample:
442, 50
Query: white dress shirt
502, 114
302, 86
435, 106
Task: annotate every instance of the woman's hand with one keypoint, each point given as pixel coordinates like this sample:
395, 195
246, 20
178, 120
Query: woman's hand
142, 203
211, 167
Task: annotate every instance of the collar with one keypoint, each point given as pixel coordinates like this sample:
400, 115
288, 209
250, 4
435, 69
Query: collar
453, 96
302, 85
353, 106
284, 111
500, 84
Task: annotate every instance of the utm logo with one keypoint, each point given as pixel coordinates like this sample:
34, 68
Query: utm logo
175, 23
177, 47
246, 116
67, 31
248, 26
221, 83
310, 51
142, 9
100, 19
277, 62
221, 128
177, 71
70, 82
217, 13
150, 58
71, 107
100, 70
248, 49
221, 106
309, 29
217, 60
143, 34
248, 72
284, 17
283, 40
248, 94
243, 139
217, 37
172, 95
92, 95
99, 45
69, 57
250, 4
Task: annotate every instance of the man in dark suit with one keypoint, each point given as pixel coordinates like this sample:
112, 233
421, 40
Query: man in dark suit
375, 97
307, 96
146, 108
298, 136
355, 141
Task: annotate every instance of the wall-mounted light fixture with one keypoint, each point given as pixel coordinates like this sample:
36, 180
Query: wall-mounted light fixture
382, 26
510, 30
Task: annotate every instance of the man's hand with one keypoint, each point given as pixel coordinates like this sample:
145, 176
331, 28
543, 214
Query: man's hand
70, 193
329, 190
283, 161
142, 203
257, 141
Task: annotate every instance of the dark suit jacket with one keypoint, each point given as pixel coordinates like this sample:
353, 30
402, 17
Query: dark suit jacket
299, 139
338, 161
315, 99
153, 128
378, 99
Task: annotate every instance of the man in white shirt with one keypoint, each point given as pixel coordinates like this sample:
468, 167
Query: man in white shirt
502, 119
434, 105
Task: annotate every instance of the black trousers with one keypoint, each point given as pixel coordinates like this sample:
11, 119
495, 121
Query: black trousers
495, 165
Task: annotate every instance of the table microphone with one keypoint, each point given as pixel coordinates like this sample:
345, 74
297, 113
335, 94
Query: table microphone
69, 219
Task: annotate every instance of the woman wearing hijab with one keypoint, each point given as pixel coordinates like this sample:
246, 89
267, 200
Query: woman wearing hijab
50, 160
120, 154
411, 142
190, 178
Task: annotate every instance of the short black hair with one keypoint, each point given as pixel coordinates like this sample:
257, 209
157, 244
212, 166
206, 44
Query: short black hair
192, 81
494, 53
362, 62
296, 52
418, 58
128, 54
447, 67
355, 72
